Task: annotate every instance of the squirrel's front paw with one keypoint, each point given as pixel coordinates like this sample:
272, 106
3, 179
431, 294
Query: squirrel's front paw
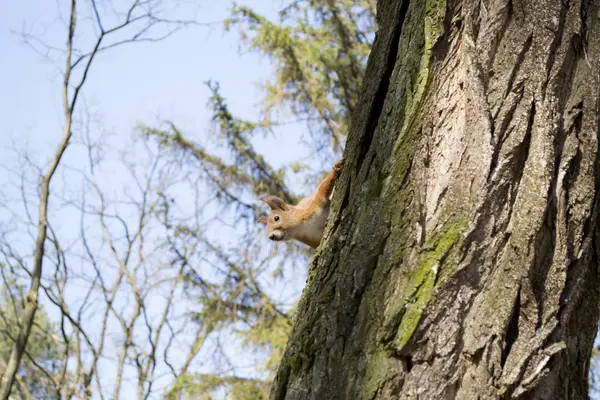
338, 165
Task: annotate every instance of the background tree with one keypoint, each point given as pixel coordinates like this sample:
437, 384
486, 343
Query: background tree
319, 50
460, 258
40, 368
111, 27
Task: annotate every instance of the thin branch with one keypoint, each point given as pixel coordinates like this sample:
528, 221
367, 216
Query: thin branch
32, 298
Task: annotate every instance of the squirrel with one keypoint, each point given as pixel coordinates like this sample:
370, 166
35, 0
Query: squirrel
305, 221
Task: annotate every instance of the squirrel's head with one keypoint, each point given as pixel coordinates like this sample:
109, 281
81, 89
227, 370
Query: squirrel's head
280, 219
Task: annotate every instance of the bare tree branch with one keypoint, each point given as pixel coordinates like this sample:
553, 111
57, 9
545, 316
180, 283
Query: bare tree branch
70, 96
32, 297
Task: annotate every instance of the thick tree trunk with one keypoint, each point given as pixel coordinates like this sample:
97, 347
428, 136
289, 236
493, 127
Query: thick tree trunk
460, 259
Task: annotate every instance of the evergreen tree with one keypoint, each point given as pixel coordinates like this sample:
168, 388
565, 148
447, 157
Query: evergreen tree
40, 366
318, 50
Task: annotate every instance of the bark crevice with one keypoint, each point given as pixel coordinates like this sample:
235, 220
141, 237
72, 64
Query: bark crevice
382, 86
512, 332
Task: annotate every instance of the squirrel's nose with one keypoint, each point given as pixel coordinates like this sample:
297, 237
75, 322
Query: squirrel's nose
272, 236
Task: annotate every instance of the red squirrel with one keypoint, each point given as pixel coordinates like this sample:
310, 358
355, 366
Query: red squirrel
305, 221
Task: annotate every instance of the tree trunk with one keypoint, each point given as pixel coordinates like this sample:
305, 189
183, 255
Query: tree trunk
460, 258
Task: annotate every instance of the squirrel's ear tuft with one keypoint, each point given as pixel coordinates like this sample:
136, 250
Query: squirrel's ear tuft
274, 202
262, 219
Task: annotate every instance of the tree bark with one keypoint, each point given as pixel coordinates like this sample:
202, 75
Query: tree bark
460, 260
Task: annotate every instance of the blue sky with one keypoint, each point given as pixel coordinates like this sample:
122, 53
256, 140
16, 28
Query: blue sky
133, 83
136, 83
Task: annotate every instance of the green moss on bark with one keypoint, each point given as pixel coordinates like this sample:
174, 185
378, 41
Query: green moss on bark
435, 12
421, 282
403, 317
419, 289
380, 365
301, 362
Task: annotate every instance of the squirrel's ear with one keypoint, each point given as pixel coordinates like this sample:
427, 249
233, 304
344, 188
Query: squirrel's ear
274, 202
262, 219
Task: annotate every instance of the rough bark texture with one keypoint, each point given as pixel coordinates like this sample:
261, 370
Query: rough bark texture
460, 260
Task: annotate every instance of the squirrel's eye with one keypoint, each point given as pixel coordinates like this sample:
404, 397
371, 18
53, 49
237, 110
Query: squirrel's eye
276, 218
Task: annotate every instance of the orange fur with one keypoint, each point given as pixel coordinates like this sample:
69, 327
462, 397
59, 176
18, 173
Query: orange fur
305, 221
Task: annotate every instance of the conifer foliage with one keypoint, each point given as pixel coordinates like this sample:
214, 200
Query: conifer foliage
318, 50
